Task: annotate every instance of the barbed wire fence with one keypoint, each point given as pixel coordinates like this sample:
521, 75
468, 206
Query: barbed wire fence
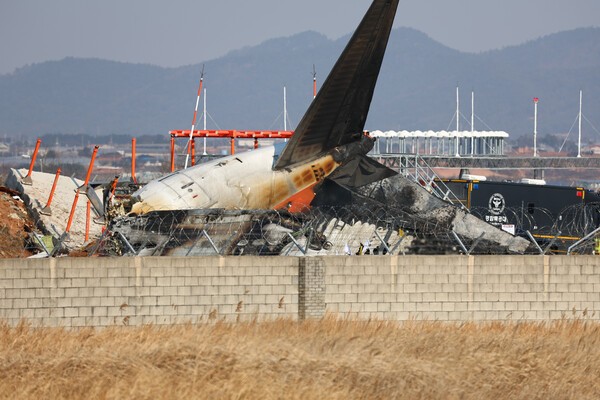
321, 231
351, 230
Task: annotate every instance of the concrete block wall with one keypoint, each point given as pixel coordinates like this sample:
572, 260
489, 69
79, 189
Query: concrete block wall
75, 292
460, 288
311, 287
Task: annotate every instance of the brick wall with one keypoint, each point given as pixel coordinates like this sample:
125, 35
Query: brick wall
163, 290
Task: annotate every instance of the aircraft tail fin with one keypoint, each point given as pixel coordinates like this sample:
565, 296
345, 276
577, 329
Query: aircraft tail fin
337, 115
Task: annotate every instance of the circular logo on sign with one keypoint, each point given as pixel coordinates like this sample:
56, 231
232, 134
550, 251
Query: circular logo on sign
496, 204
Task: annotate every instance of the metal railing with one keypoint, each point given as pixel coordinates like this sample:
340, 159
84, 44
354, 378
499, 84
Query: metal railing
417, 169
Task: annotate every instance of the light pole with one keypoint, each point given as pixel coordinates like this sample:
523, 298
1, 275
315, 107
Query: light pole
579, 138
535, 112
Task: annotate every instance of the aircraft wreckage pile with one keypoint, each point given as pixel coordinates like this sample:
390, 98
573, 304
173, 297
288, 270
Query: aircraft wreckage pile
319, 193
358, 223
330, 196
341, 221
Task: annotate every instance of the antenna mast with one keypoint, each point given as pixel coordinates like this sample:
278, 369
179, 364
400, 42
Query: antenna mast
187, 156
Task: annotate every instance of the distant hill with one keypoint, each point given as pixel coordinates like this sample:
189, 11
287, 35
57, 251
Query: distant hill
416, 89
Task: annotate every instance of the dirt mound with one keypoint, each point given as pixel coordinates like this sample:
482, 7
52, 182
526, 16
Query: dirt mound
36, 196
15, 225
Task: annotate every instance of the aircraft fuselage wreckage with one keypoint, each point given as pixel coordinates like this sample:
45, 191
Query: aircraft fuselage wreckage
215, 207
329, 137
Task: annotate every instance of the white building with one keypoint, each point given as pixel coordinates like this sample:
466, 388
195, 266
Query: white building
441, 143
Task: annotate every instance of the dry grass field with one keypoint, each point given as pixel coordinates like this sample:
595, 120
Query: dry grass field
328, 359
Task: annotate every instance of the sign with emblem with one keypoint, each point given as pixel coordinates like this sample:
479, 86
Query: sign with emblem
496, 204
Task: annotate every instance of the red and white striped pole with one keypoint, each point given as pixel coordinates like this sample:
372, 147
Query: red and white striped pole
189, 150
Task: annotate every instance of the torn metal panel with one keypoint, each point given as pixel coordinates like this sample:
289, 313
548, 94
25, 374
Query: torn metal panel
403, 194
356, 238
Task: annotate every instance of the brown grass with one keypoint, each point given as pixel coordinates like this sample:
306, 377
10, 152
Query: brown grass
332, 358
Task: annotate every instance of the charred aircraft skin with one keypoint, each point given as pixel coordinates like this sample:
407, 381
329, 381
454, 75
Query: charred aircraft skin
398, 198
329, 136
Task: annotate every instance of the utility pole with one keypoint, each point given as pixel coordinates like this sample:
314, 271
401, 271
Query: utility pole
472, 122
457, 121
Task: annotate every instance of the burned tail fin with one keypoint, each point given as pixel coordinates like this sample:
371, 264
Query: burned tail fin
337, 115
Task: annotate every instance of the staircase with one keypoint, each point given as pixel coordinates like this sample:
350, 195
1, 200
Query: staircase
416, 169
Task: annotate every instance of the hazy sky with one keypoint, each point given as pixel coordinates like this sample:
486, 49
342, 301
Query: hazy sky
181, 32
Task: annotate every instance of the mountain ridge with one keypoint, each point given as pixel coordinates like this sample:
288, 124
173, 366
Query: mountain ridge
416, 88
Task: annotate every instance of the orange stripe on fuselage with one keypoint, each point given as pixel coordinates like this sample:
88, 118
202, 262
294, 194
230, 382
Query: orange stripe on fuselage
299, 202
307, 176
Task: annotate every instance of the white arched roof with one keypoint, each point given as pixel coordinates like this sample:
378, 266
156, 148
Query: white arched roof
438, 134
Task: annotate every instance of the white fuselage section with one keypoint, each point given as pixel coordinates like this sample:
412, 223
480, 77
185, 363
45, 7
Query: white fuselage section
242, 181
